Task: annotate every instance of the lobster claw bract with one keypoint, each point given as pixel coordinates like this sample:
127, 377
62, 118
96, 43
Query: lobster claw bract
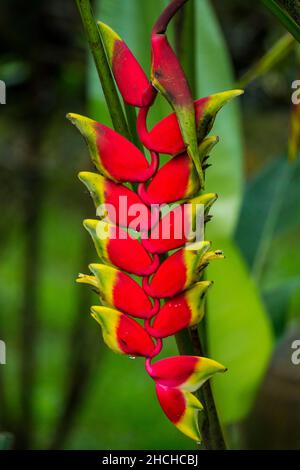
182, 311
184, 372
177, 272
121, 291
177, 179
180, 225
123, 334
181, 408
132, 81
117, 247
117, 203
113, 155
165, 136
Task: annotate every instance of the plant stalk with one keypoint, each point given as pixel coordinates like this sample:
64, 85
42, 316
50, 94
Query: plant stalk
103, 68
131, 119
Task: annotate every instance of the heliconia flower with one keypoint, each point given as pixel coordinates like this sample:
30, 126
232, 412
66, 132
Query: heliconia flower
132, 81
184, 372
177, 179
177, 227
168, 77
120, 204
165, 136
135, 226
177, 272
123, 334
182, 311
181, 408
113, 155
115, 246
120, 291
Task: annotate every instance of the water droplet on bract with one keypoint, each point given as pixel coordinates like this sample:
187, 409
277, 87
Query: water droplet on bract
132, 357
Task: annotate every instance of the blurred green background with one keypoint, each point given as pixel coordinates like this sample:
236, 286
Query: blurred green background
60, 387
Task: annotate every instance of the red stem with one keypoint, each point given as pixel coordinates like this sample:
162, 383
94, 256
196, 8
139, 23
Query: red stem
154, 265
142, 192
154, 310
146, 286
153, 165
161, 24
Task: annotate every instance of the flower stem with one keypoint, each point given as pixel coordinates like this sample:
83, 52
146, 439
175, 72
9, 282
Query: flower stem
210, 427
103, 68
131, 119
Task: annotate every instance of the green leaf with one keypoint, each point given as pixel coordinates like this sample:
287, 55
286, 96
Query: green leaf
271, 199
269, 245
278, 300
269, 60
293, 8
214, 74
239, 334
284, 15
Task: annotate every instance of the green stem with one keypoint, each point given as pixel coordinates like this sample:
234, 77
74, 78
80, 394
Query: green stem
210, 427
131, 119
189, 343
103, 68
285, 19
188, 340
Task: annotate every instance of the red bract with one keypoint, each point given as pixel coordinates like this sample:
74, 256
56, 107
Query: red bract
123, 334
133, 239
120, 291
177, 179
116, 247
182, 311
184, 372
181, 408
117, 203
176, 273
166, 137
112, 154
176, 228
132, 81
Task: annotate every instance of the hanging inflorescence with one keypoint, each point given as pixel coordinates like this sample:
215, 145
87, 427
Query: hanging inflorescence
151, 285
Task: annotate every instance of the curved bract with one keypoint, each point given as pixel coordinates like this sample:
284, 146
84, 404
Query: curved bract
184, 372
177, 179
123, 334
114, 156
117, 247
150, 274
117, 203
179, 312
176, 228
166, 137
181, 408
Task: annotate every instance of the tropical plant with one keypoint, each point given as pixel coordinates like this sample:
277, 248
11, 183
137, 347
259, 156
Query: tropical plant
176, 278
